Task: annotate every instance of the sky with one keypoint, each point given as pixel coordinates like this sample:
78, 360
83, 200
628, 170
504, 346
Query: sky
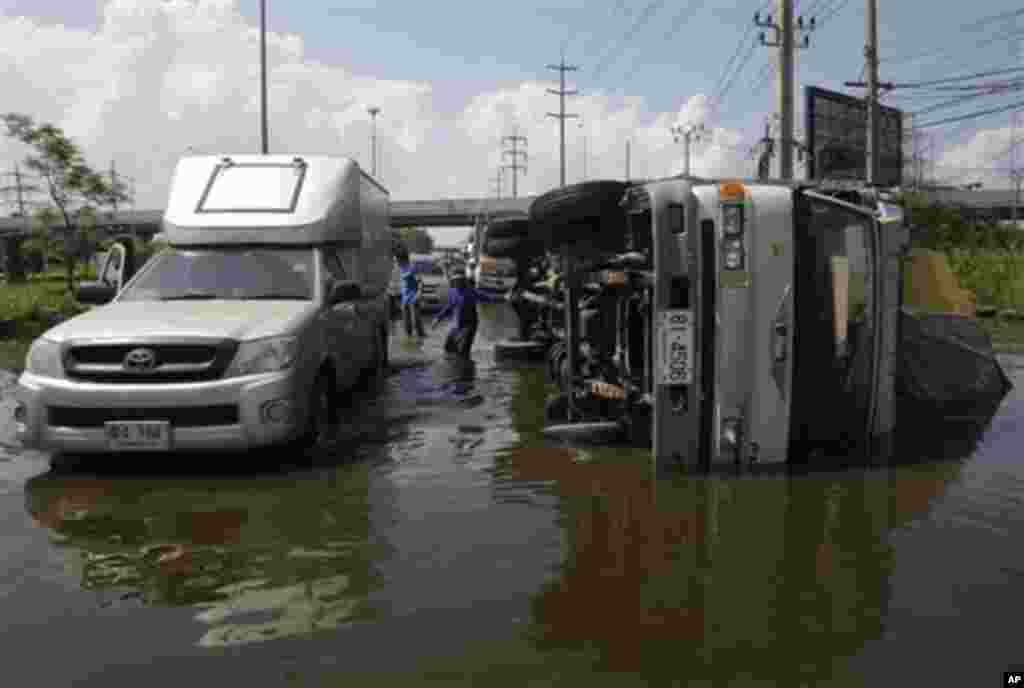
140, 82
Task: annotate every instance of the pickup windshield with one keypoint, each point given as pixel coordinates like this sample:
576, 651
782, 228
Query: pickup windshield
225, 273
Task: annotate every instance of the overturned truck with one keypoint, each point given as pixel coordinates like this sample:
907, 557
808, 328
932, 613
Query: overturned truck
729, 322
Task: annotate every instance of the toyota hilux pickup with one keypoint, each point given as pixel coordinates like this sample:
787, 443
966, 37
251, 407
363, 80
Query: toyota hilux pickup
267, 305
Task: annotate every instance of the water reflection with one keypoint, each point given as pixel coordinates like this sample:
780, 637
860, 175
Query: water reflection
259, 558
704, 578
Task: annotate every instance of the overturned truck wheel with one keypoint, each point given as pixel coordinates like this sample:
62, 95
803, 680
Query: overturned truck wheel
558, 427
591, 432
519, 349
587, 215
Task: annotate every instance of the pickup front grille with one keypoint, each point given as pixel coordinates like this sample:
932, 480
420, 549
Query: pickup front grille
104, 363
178, 416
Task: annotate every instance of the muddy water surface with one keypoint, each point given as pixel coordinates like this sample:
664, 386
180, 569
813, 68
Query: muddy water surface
445, 543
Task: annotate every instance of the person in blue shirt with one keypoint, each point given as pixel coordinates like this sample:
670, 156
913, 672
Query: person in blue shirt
410, 298
462, 300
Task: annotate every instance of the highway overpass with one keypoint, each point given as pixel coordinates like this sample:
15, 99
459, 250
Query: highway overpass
460, 212
455, 212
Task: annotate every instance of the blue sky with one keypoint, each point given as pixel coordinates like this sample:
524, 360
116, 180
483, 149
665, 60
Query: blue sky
463, 49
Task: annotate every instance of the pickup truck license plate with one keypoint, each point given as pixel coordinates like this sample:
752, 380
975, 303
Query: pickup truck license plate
675, 331
139, 435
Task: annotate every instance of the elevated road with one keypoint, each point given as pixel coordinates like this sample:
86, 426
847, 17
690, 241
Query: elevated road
454, 212
461, 212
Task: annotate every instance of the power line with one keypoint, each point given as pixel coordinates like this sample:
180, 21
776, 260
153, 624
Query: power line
974, 115
613, 54
965, 77
962, 99
943, 51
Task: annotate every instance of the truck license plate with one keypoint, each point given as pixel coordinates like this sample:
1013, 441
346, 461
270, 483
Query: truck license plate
675, 331
143, 435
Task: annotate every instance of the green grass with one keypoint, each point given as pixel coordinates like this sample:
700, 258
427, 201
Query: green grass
1007, 335
13, 351
27, 305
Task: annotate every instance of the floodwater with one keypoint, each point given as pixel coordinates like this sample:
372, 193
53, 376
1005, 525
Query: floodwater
446, 543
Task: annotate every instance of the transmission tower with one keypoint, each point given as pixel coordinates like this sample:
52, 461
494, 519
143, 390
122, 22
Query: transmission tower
561, 115
496, 184
515, 152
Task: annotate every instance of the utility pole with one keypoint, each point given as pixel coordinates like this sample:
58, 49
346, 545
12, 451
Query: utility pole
785, 40
496, 182
764, 163
627, 159
515, 166
263, 74
374, 111
561, 115
871, 54
689, 133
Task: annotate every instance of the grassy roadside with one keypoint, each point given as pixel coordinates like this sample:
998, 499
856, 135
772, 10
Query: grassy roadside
1007, 335
30, 306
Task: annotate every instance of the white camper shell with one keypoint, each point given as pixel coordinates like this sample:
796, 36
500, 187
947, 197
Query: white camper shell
267, 306
282, 199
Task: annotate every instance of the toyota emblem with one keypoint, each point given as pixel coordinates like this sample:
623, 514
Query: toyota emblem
140, 360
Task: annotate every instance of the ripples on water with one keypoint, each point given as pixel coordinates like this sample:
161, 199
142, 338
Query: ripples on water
533, 560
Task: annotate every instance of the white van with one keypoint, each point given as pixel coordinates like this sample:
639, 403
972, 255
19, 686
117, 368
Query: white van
269, 302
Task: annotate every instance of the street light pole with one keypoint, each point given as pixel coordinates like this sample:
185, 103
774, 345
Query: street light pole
691, 132
263, 74
374, 111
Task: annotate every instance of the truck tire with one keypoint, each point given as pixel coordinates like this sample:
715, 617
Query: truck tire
587, 213
322, 414
505, 228
519, 350
599, 432
519, 248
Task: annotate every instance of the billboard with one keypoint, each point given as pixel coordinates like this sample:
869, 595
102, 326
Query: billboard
836, 126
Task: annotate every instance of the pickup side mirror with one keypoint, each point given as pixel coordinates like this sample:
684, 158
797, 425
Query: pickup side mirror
344, 291
95, 293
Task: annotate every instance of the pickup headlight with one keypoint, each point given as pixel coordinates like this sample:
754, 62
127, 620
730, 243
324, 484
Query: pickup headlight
43, 359
264, 356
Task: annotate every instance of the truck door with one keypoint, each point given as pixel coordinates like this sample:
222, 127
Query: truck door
837, 316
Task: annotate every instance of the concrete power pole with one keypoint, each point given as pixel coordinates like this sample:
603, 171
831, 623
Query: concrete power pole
764, 164
627, 160
785, 40
688, 134
515, 166
871, 54
561, 115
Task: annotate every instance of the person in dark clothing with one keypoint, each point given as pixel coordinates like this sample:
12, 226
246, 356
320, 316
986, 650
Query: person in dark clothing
410, 298
527, 272
462, 300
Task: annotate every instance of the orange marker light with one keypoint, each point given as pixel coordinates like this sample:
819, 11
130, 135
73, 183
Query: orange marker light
731, 191
615, 278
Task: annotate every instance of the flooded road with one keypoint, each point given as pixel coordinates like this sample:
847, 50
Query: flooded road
447, 543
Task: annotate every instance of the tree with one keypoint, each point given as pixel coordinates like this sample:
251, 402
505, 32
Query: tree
74, 189
416, 240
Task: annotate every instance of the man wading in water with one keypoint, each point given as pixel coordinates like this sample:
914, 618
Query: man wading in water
410, 298
462, 300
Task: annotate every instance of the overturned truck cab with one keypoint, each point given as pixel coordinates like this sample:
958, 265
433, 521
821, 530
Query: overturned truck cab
774, 323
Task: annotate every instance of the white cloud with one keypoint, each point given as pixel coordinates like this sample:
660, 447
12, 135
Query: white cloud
159, 76
983, 157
